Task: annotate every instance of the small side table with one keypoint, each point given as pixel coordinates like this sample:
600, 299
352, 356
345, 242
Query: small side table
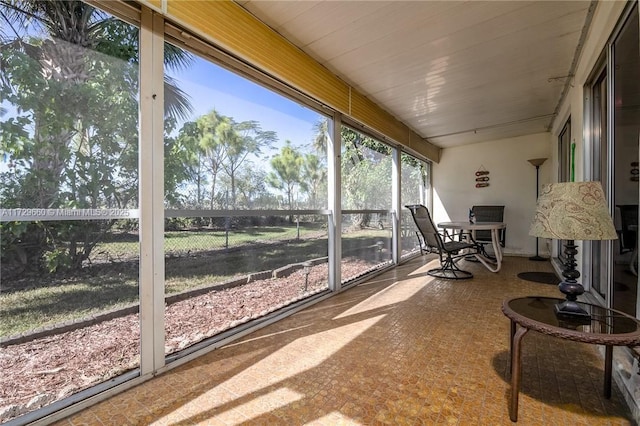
607, 327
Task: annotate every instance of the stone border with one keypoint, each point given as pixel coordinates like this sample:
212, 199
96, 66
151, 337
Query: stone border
53, 329
285, 271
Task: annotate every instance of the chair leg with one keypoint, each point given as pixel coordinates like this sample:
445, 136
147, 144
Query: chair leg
421, 245
449, 270
484, 253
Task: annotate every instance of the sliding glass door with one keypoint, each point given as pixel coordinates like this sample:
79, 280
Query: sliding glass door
625, 106
615, 124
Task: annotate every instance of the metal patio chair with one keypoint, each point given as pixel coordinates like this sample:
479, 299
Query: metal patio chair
488, 214
450, 252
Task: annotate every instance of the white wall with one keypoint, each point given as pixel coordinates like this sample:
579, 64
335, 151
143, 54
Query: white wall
512, 183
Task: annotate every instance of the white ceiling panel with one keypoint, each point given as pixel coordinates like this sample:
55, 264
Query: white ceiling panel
286, 11
455, 72
394, 25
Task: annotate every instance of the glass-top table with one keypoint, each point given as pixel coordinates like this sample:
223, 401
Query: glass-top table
606, 327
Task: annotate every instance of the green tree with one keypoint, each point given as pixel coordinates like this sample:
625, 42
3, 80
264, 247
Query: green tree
182, 166
251, 186
314, 174
365, 168
214, 130
366, 174
219, 144
247, 138
70, 73
415, 178
286, 173
321, 136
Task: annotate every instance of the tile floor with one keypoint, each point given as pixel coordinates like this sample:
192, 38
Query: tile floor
401, 349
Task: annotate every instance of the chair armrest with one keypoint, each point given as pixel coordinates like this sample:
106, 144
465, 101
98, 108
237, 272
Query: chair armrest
461, 235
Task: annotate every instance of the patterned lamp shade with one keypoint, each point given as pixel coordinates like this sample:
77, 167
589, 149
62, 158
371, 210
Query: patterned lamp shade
573, 211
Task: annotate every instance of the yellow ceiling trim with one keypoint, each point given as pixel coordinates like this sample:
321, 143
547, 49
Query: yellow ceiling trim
420, 145
157, 5
233, 29
367, 112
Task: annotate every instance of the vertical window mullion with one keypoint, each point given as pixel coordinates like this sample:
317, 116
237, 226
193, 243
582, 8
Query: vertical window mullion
334, 179
396, 191
151, 192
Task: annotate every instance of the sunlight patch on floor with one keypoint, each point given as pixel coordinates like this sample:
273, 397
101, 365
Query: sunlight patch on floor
223, 409
297, 357
266, 336
435, 263
396, 293
335, 418
264, 404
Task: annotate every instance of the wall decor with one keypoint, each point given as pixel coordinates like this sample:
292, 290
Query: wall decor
482, 177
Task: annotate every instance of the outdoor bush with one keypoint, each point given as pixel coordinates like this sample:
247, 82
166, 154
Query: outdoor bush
21, 245
57, 260
176, 223
126, 225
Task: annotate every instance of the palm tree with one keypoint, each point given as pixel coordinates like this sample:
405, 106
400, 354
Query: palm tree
321, 138
66, 63
59, 36
82, 25
314, 175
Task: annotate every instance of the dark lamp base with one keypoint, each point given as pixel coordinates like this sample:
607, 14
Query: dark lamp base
569, 310
538, 258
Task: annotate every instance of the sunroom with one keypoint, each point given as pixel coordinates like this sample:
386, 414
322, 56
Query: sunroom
177, 175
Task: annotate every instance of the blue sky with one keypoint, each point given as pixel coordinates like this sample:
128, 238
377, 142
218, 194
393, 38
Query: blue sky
211, 86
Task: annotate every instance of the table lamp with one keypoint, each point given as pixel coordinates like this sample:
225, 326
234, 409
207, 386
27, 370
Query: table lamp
572, 211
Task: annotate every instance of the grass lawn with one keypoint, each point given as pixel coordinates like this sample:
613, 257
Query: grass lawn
178, 242
194, 259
